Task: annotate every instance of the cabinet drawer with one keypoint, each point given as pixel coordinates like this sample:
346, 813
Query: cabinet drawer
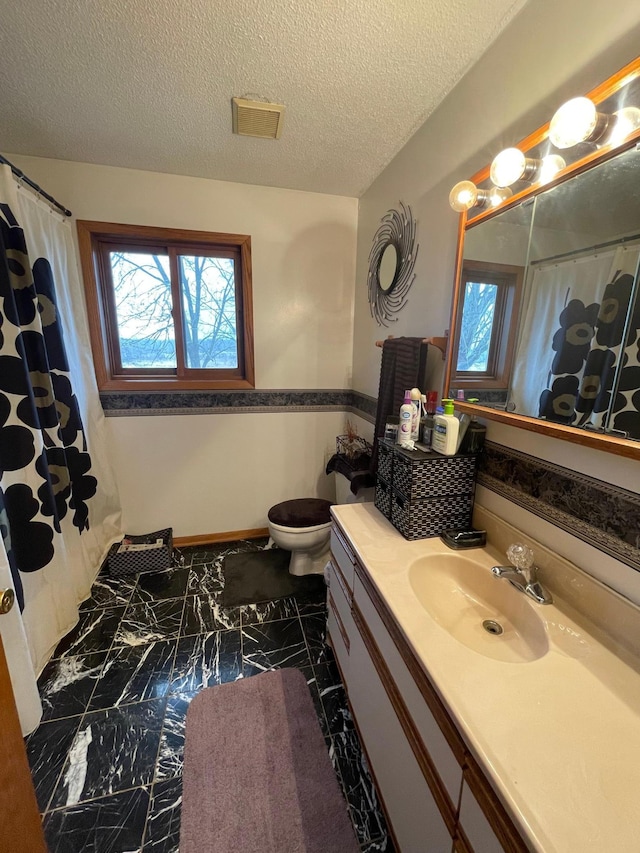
421, 519
340, 641
344, 557
341, 596
383, 497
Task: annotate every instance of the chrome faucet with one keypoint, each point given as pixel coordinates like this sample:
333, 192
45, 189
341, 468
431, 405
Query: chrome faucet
522, 574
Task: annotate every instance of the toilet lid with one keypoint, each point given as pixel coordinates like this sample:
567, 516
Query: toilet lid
302, 512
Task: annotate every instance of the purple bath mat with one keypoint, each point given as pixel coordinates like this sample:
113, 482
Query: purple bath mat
257, 776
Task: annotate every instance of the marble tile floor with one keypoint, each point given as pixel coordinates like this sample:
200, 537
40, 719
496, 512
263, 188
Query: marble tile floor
107, 758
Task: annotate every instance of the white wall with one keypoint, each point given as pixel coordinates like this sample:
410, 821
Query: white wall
215, 473
551, 51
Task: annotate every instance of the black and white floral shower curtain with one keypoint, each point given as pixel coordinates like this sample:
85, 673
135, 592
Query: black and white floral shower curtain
59, 510
571, 342
589, 347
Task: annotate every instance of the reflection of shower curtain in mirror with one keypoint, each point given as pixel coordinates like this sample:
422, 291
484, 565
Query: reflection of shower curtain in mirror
571, 340
626, 404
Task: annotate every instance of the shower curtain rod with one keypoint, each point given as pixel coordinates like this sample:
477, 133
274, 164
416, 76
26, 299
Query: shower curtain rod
22, 177
586, 249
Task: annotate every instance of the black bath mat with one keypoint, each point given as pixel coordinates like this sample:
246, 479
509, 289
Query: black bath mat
256, 576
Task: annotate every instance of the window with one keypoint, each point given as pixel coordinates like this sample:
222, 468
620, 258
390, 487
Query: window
167, 308
486, 334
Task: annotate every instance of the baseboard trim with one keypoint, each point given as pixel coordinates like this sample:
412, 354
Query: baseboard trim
226, 536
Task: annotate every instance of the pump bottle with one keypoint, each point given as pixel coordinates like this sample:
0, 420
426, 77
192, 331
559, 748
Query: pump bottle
445, 430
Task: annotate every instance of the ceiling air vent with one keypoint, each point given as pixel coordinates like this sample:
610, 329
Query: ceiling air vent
257, 118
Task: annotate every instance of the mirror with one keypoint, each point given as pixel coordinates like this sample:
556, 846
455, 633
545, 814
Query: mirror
391, 262
546, 319
388, 267
575, 352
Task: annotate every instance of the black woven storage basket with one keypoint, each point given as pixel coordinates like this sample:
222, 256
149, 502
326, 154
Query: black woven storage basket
383, 497
418, 520
385, 459
138, 562
420, 476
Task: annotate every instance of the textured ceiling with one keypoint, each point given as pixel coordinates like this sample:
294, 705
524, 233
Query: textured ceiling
146, 84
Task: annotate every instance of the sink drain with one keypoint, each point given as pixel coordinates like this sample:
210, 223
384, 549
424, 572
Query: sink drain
492, 627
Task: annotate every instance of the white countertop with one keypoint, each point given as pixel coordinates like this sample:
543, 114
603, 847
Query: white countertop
559, 737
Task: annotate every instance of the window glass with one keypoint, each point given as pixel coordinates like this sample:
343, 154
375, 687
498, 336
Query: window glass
168, 308
142, 290
476, 329
208, 286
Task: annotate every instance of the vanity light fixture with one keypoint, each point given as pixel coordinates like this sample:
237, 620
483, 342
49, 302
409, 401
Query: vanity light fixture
627, 120
499, 194
466, 195
549, 167
577, 120
511, 165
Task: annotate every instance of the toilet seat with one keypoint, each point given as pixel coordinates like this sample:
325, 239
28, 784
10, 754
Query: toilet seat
299, 531
301, 512
302, 526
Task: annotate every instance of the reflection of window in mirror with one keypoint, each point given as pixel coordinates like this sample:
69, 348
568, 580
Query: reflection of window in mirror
485, 333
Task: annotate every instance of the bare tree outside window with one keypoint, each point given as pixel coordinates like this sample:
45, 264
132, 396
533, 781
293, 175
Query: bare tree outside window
142, 288
169, 309
144, 310
209, 310
478, 313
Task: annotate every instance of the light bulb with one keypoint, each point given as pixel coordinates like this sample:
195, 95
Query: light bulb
463, 196
576, 121
499, 194
627, 120
551, 165
510, 166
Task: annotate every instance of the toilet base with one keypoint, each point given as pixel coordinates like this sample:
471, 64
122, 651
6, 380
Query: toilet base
303, 527
308, 562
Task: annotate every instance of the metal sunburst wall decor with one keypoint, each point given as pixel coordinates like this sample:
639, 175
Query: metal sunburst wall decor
391, 262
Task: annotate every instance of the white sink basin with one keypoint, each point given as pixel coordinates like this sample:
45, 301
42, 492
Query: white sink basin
470, 603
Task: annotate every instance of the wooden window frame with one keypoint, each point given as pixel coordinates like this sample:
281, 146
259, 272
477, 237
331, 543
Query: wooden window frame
509, 280
94, 239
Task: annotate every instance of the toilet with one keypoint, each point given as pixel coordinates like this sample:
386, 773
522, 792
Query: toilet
302, 526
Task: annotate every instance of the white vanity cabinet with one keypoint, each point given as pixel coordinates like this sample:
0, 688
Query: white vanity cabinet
477, 833
431, 787
417, 822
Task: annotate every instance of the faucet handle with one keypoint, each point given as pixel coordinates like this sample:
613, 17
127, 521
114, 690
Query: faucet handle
520, 556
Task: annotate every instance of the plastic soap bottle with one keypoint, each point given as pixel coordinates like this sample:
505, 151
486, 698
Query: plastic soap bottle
415, 417
406, 416
445, 430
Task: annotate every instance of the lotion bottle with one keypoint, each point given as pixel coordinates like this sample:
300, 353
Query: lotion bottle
445, 430
406, 415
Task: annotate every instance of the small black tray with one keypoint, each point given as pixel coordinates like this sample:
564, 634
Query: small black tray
461, 539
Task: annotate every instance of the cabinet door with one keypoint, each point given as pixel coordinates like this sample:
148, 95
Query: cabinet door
416, 819
476, 827
339, 639
446, 764
343, 555
339, 619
